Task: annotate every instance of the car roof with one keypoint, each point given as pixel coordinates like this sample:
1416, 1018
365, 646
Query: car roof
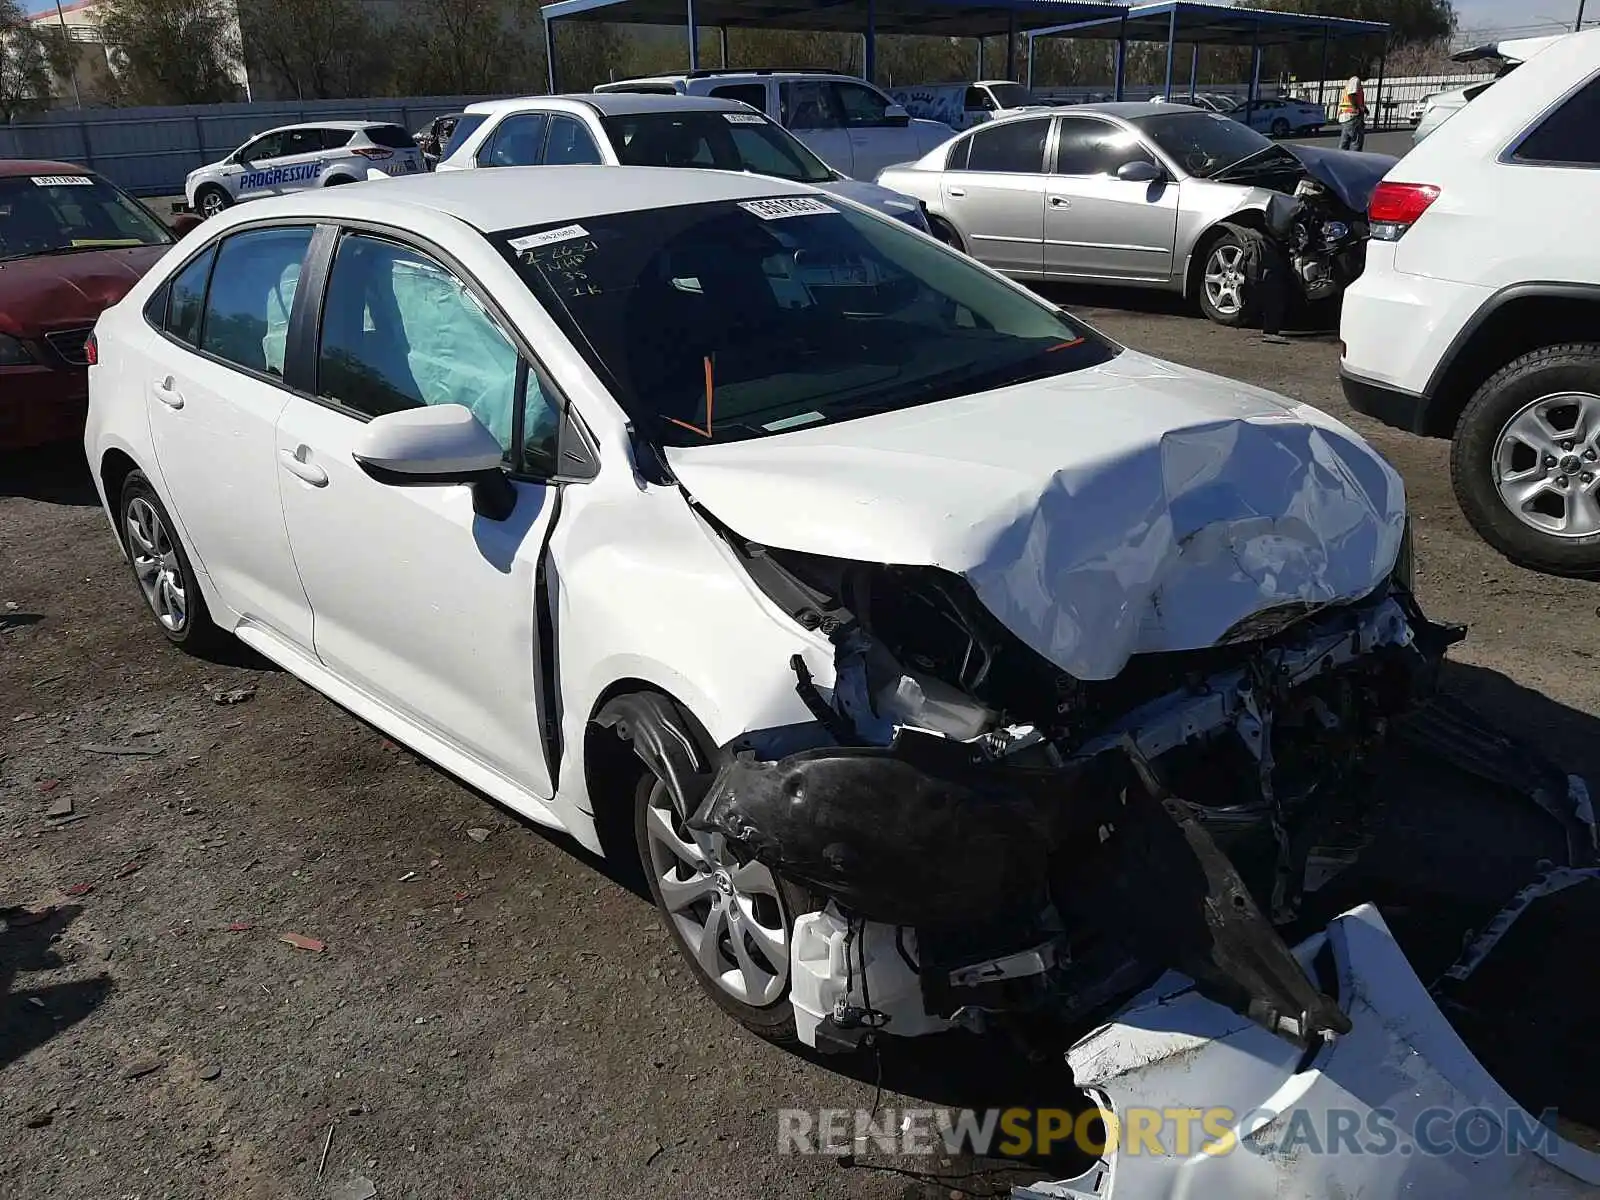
517, 197
1130, 110
10, 167
611, 104
353, 126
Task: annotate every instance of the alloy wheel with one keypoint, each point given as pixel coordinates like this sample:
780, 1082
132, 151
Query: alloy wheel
730, 916
1547, 464
1224, 280
211, 204
155, 564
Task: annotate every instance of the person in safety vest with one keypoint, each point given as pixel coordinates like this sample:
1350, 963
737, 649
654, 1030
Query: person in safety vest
1353, 116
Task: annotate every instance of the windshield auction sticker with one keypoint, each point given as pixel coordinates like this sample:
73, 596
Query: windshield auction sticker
788, 206
62, 181
565, 234
744, 118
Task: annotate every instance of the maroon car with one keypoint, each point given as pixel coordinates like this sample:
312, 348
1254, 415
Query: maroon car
71, 244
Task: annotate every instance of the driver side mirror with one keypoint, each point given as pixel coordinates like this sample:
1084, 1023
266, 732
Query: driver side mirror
1140, 170
435, 446
897, 115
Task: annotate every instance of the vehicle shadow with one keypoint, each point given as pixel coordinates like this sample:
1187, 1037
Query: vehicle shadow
1310, 322
29, 1017
54, 474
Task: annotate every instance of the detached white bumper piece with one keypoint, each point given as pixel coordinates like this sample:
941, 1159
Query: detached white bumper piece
1398, 1107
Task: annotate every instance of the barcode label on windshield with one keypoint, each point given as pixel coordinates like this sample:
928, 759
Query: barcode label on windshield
790, 206
744, 118
62, 181
565, 234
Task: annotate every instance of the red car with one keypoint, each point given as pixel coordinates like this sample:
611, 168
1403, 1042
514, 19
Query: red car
71, 244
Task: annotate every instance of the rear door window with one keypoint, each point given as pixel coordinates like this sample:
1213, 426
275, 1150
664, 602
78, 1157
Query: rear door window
518, 141
251, 295
335, 139
1010, 147
1568, 137
569, 143
302, 141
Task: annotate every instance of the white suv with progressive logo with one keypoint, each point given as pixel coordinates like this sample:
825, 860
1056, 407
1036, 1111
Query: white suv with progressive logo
294, 157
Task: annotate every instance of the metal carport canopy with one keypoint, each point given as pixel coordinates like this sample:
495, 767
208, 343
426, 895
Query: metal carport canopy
939, 18
1201, 24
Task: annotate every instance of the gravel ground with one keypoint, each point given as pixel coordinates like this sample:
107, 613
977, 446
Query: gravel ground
491, 1014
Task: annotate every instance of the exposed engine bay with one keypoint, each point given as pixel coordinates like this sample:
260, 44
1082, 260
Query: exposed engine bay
995, 843
1317, 218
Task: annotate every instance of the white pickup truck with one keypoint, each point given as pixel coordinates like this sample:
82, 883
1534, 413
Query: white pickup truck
963, 105
848, 123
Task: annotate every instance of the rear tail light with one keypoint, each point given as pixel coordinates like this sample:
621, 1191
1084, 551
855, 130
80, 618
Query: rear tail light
91, 350
374, 152
1396, 207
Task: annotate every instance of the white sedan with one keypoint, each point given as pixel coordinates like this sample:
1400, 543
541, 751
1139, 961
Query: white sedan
749, 534
1280, 118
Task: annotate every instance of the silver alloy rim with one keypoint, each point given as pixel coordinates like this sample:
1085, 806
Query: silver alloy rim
155, 563
1547, 464
1225, 279
730, 916
210, 204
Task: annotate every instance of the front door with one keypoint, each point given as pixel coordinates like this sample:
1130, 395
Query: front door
876, 140
213, 411
1097, 226
254, 163
809, 109
417, 601
993, 189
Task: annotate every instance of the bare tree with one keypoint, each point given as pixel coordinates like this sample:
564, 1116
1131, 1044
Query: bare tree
468, 47
313, 49
172, 51
31, 57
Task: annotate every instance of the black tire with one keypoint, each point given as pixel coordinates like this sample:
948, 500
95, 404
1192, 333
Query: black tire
1574, 367
774, 1021
1251, 245
213, 194
337, 181
1280, 128
946, 233
198, 632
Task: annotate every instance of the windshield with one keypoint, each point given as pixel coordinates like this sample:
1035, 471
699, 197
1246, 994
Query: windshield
60, 214
719, 322
1012, 95
722, 141
1203, 144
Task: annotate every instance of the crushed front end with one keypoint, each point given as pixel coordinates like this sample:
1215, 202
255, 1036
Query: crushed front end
994, 843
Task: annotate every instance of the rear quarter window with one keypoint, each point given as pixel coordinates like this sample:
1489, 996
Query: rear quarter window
1569, 136
391, 136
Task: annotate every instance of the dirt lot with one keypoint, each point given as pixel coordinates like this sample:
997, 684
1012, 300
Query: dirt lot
494, 1016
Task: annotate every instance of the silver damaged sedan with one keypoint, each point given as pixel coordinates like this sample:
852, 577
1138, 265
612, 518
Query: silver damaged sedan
1151, 195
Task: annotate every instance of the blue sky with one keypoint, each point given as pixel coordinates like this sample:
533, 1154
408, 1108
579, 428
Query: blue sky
1526, 17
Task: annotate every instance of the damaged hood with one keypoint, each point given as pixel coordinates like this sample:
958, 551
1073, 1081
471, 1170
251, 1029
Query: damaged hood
1349, 174
1131, 508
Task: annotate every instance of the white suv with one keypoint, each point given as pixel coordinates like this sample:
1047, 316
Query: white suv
848, 123
294, 157
1478, 315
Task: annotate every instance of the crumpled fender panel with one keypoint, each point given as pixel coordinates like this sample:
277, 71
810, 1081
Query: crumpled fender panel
1172, 1049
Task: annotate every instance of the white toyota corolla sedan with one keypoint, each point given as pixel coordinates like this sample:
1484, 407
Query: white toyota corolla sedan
940, 659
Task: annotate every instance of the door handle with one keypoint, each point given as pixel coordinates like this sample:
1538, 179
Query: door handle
167, 392
295, 463
958, 191
1060, 202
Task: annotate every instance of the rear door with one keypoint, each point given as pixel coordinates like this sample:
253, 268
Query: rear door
809, 109
214, 393
418, 602
1097, 226
993, 189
